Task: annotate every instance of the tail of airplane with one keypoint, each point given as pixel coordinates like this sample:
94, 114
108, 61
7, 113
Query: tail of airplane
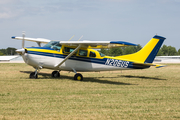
147, 53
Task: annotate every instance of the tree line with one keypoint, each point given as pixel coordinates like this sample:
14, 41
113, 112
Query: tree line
8, 51
164, 51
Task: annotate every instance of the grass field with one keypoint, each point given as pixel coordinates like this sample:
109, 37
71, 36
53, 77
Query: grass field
134, 94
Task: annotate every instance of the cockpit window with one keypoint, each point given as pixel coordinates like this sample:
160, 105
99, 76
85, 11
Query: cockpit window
102, 55
54, 45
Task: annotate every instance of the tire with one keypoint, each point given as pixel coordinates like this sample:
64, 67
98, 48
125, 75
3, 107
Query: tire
55, 74
78, 77
33, 76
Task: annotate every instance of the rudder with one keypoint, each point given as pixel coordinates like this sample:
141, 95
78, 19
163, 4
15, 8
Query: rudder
154, 52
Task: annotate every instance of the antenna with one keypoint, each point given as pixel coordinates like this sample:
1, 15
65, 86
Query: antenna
71, 37
23, 35
80, 37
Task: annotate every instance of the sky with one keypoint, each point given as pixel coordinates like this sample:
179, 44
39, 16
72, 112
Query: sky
135, 21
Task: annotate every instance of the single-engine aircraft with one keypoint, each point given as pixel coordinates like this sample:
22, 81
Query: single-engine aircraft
80, 56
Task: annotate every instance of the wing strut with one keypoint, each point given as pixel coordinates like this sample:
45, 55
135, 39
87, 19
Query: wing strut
39, 43
56, 66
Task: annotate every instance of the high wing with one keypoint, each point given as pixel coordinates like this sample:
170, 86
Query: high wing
97, 44
37, 40
41, 40
84, 43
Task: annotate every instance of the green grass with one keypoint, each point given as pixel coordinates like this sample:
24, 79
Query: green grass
133, 94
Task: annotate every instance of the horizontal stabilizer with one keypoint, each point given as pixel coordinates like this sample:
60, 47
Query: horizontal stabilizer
146, 65
159, 66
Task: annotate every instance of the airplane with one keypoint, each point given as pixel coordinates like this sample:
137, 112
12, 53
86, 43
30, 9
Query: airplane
81, 56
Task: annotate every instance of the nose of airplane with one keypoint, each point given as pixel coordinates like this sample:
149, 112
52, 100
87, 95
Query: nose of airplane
21, 51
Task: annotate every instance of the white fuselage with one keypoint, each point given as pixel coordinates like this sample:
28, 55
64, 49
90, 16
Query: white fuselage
75, 63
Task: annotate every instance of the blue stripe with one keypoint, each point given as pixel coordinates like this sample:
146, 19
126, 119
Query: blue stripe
122, 42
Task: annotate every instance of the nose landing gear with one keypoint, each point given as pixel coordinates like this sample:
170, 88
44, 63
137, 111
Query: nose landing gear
34, 74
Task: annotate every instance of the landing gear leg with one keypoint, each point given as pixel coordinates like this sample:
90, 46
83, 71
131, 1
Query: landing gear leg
77, 76
34, 74
55, 74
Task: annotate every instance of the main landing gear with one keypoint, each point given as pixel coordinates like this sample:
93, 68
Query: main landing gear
78, 77
55, 74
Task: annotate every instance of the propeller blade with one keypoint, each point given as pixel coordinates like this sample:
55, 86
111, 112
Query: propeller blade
23, 35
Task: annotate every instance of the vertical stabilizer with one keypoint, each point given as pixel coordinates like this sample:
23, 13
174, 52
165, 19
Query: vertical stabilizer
148, 52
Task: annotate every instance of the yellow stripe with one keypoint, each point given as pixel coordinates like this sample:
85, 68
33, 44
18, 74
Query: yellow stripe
43, 50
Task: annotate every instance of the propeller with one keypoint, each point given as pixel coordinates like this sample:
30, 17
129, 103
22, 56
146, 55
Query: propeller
22, 50
23, 35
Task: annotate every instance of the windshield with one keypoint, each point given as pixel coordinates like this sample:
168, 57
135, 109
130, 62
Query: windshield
54, 45
101, 54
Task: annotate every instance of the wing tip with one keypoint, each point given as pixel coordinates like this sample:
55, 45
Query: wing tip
13, 37
122, 42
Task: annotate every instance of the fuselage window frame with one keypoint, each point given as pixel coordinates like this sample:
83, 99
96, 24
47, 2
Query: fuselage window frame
68, 50
83, 53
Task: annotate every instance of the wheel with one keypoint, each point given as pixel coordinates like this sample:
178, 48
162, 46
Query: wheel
55, 74
78, 76
33, 76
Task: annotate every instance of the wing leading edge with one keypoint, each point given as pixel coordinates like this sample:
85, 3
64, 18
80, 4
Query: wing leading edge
40, 40
97, 44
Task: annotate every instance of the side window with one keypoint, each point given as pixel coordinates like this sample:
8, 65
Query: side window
67, 49
83, 52
92, 54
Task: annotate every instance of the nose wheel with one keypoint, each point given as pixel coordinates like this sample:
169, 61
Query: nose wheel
33, 75
78, 77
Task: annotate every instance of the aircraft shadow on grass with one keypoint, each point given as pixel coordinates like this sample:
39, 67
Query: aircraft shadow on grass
141, 77
86, 79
